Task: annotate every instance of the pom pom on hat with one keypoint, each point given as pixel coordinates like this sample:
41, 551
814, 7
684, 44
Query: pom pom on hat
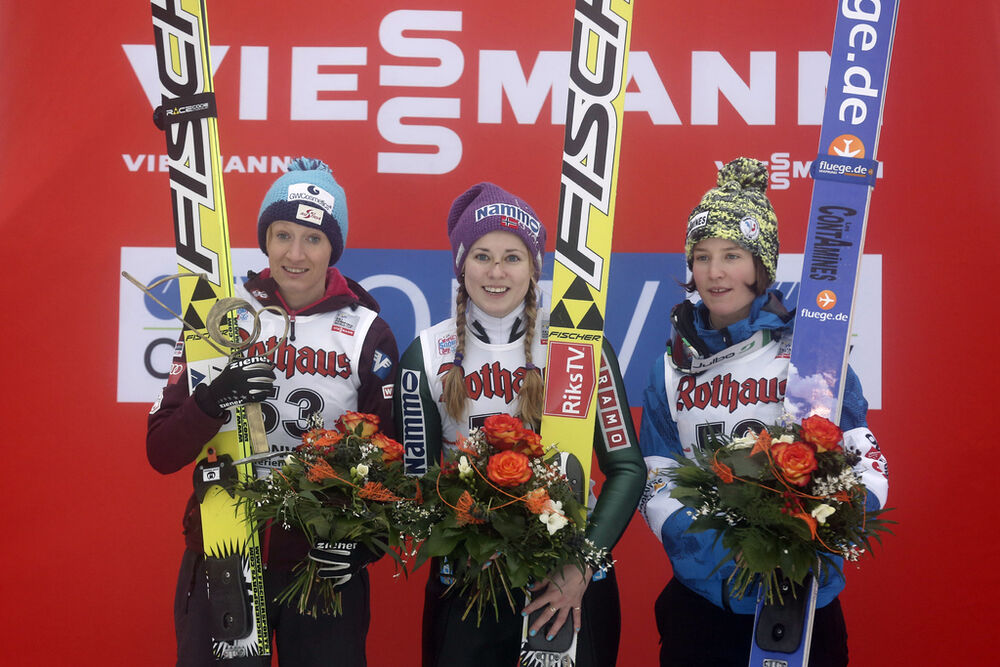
308, 195
738, 210
485, 208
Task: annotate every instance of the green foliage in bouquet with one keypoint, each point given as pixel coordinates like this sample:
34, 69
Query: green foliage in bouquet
503, 515
346, 484
781, 501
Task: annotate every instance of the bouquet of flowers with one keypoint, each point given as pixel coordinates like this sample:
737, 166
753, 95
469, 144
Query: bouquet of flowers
780, 500
503, 515
345, 484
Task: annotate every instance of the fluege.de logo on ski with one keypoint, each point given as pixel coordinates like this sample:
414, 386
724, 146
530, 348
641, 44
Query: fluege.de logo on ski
826, 299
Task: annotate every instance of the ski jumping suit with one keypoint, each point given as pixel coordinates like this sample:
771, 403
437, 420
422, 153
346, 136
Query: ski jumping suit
700, 622
339, 356
494, 365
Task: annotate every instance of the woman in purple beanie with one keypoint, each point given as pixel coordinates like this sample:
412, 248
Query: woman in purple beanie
499, 330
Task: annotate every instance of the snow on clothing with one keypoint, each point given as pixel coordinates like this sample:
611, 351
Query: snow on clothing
493, 372
339, 356
745, 388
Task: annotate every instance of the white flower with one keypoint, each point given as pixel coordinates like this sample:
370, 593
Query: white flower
789, 438
821, 512
361, 470
749, 439
464, 469
553, 517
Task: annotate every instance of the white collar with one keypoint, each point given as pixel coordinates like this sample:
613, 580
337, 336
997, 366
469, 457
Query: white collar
497, 330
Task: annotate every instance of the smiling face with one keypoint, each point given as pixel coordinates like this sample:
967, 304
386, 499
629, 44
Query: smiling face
724, 274
498, 272
298, 257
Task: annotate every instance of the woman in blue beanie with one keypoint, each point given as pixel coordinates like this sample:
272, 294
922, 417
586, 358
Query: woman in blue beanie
339, 356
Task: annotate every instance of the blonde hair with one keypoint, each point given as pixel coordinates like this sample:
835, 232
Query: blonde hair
532, 391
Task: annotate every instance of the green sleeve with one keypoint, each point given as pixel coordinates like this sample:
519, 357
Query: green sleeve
415, 411
618, 457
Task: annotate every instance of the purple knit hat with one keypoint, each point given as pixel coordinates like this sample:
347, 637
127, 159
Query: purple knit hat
485, 208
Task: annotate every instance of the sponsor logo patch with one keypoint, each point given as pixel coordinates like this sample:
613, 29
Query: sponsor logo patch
570, 381
309, 214
697, 222
750, 227
381, 364
387, 391
345, 324
510, 216
313, 194
414, 444
609, 410
446, 345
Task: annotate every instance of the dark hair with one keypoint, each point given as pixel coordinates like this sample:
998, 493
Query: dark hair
761, 283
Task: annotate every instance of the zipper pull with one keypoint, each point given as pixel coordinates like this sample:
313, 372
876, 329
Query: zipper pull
291, 319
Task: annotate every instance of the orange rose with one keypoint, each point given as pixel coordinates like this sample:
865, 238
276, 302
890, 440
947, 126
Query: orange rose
821, 432
391, 450
530, 444
349, 423
503, 431
508, 468
796, 460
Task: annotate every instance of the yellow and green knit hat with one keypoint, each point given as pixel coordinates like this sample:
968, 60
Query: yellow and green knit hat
738, 210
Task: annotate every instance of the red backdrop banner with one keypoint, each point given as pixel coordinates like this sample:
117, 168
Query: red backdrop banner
410, 103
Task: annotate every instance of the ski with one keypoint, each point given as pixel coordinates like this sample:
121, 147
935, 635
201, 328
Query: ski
187, 117
589, 179
843, 175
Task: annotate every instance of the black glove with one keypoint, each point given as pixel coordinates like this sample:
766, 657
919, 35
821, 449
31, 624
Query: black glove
242, 381
340, 561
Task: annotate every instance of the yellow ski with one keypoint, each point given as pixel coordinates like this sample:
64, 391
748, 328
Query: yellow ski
187, 117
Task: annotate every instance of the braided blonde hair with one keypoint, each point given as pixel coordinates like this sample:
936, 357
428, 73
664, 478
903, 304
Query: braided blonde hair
455, 395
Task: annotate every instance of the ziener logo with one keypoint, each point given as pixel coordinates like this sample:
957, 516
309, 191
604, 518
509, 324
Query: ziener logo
826, 299
570, 381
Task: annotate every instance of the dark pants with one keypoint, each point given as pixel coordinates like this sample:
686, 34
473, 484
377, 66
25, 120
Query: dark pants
448, 641
301, 641
696, 633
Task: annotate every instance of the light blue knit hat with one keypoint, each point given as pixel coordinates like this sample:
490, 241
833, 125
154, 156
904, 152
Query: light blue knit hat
307, 194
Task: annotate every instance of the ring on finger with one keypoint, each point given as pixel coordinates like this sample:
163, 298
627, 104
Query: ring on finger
554, 610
